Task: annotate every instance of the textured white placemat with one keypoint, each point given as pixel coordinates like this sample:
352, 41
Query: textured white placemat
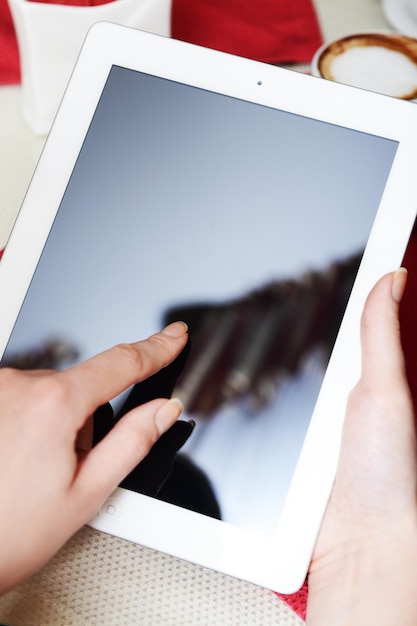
99, 579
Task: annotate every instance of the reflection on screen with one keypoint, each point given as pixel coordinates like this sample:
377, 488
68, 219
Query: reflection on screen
246, 222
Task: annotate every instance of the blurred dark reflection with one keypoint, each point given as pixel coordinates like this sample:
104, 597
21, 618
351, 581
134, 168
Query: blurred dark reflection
242, 349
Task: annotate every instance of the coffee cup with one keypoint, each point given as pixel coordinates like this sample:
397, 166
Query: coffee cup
377, 61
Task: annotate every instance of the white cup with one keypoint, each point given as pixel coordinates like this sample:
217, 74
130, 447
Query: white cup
412, 8
50, 37
384, 62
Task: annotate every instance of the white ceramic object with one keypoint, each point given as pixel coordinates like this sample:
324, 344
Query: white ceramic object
380, 61
50, 37
402, 15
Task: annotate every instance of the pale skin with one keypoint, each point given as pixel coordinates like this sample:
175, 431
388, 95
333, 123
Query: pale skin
364, 566
52, 482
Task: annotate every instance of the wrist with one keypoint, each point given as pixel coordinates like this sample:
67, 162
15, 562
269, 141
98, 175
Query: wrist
369, 581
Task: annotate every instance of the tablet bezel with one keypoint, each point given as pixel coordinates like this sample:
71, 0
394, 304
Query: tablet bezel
278, 562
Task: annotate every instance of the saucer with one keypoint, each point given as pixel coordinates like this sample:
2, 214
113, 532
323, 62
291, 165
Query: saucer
400, 17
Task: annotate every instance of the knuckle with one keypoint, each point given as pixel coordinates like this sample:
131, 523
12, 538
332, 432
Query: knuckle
11, 382
359, 393
126, 352
365, 400
8, 376
52, 390
142, 440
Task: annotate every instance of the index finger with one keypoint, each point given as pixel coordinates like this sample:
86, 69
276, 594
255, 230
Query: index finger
101, 378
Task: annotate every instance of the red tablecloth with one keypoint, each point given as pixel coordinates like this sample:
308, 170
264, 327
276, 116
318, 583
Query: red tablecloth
275, 31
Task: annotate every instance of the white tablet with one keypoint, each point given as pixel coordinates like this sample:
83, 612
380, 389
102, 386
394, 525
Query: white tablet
256, 203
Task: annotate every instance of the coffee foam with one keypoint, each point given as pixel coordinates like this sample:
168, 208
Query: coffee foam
383, 63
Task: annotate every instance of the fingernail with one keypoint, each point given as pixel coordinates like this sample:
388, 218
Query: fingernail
176, 329
168, 414
399, 282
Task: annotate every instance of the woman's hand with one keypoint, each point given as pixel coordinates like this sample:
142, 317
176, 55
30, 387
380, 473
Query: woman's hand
364, 567
51, 481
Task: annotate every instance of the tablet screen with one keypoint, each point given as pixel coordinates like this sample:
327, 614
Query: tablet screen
245, 221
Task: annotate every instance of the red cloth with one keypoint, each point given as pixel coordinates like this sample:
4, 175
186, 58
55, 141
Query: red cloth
9, 56
273, 31
408, 315
297, 601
